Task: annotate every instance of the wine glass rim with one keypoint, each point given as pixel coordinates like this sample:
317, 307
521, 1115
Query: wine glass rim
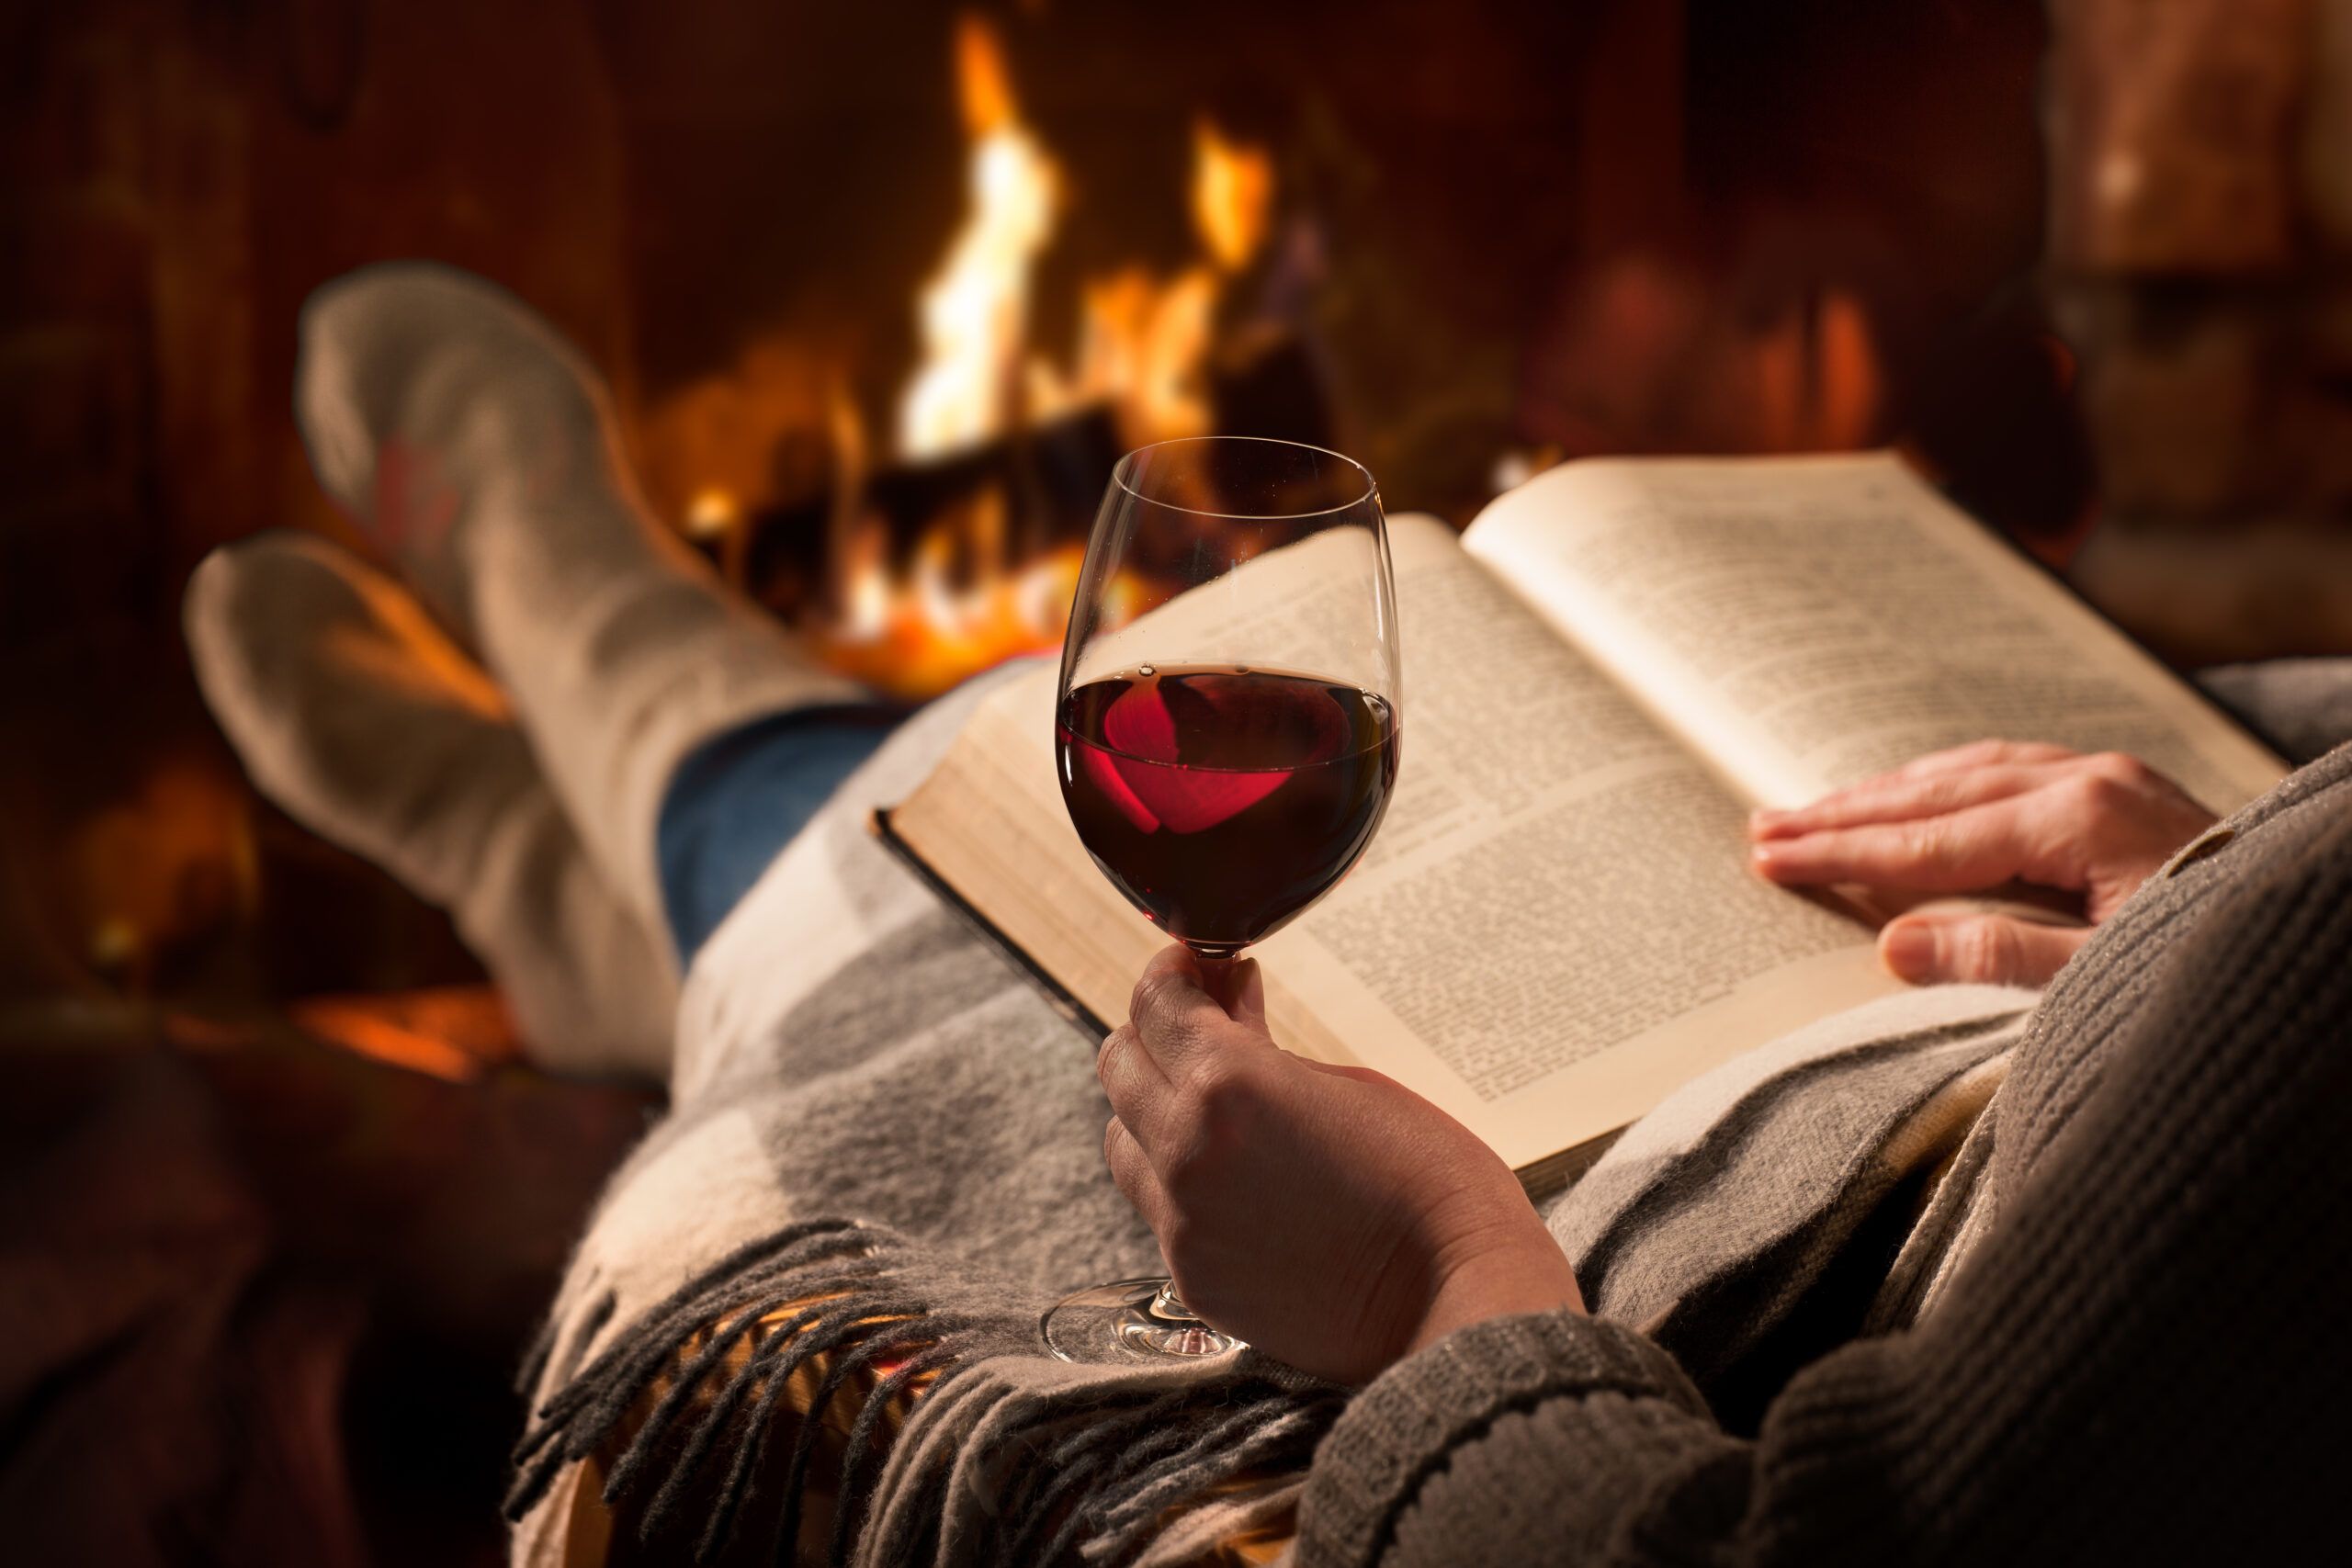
1120, 472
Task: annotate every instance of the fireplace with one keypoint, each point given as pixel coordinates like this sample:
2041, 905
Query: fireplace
883, 291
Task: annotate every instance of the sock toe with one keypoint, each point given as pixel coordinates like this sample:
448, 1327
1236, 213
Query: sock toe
365, 339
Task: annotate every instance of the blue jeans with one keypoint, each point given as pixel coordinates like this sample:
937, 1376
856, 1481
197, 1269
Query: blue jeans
739, 798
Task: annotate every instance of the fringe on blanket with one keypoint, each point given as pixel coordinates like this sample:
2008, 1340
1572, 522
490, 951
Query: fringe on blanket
1008, 1457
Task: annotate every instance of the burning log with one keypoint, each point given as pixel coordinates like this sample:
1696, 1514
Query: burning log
926, 571
1052, 474
1047, 479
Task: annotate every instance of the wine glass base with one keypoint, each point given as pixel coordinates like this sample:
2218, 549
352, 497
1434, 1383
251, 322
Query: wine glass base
1125, 1322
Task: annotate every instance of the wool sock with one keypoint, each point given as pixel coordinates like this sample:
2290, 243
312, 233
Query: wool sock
478, 449
355, 714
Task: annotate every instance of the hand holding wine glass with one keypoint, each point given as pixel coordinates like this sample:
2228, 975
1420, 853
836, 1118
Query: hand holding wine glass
1226, 758
1329, 1215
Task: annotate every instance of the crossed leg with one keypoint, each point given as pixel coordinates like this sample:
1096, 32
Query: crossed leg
501, 728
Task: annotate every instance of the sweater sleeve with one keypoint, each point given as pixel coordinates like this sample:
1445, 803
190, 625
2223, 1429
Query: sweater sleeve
1468, 1451
2142, 1361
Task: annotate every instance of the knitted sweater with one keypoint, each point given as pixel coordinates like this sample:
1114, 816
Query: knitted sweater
2141, 1361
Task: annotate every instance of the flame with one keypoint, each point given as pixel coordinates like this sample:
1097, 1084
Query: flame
1233, 193
1144, 344
1143, 348
983, 86
916, 635
973, 314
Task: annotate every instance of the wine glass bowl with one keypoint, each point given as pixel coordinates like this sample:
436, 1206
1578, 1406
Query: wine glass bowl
1227, 756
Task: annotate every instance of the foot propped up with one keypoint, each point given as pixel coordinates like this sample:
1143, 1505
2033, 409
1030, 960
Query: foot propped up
429, 398
477, 448
355, 714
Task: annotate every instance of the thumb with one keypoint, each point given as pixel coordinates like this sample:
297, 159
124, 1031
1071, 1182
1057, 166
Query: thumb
1989, 949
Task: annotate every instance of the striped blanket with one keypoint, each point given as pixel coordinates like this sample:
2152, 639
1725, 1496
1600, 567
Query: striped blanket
895, 1129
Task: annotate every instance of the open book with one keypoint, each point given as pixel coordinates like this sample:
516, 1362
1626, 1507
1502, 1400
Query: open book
1555, 925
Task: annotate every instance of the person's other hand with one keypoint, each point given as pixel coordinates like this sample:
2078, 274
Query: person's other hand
1329, 1215
1972, 819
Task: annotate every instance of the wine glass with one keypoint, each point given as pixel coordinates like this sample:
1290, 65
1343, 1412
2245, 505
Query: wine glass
1226, 756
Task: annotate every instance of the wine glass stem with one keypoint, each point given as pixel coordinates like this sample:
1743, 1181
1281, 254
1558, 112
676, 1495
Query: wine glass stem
1216, 977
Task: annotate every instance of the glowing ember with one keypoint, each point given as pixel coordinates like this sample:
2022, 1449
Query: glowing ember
711, 514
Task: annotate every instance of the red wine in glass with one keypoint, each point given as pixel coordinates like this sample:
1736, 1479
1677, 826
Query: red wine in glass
1227, 756
1224, 800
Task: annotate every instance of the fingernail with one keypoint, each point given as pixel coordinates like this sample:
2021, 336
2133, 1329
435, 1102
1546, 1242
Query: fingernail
1908, 948
1763, 858
1764, 821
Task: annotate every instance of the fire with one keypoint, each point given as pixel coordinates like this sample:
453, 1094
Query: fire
1143, 349
974, 313
713, 511
1233, 196
1143, 345
925, 635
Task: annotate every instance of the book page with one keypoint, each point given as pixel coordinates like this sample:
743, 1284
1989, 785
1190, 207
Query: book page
1806, 623
1553, 929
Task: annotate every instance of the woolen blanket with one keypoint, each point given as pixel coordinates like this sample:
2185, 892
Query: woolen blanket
873, 1114
872, 1108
